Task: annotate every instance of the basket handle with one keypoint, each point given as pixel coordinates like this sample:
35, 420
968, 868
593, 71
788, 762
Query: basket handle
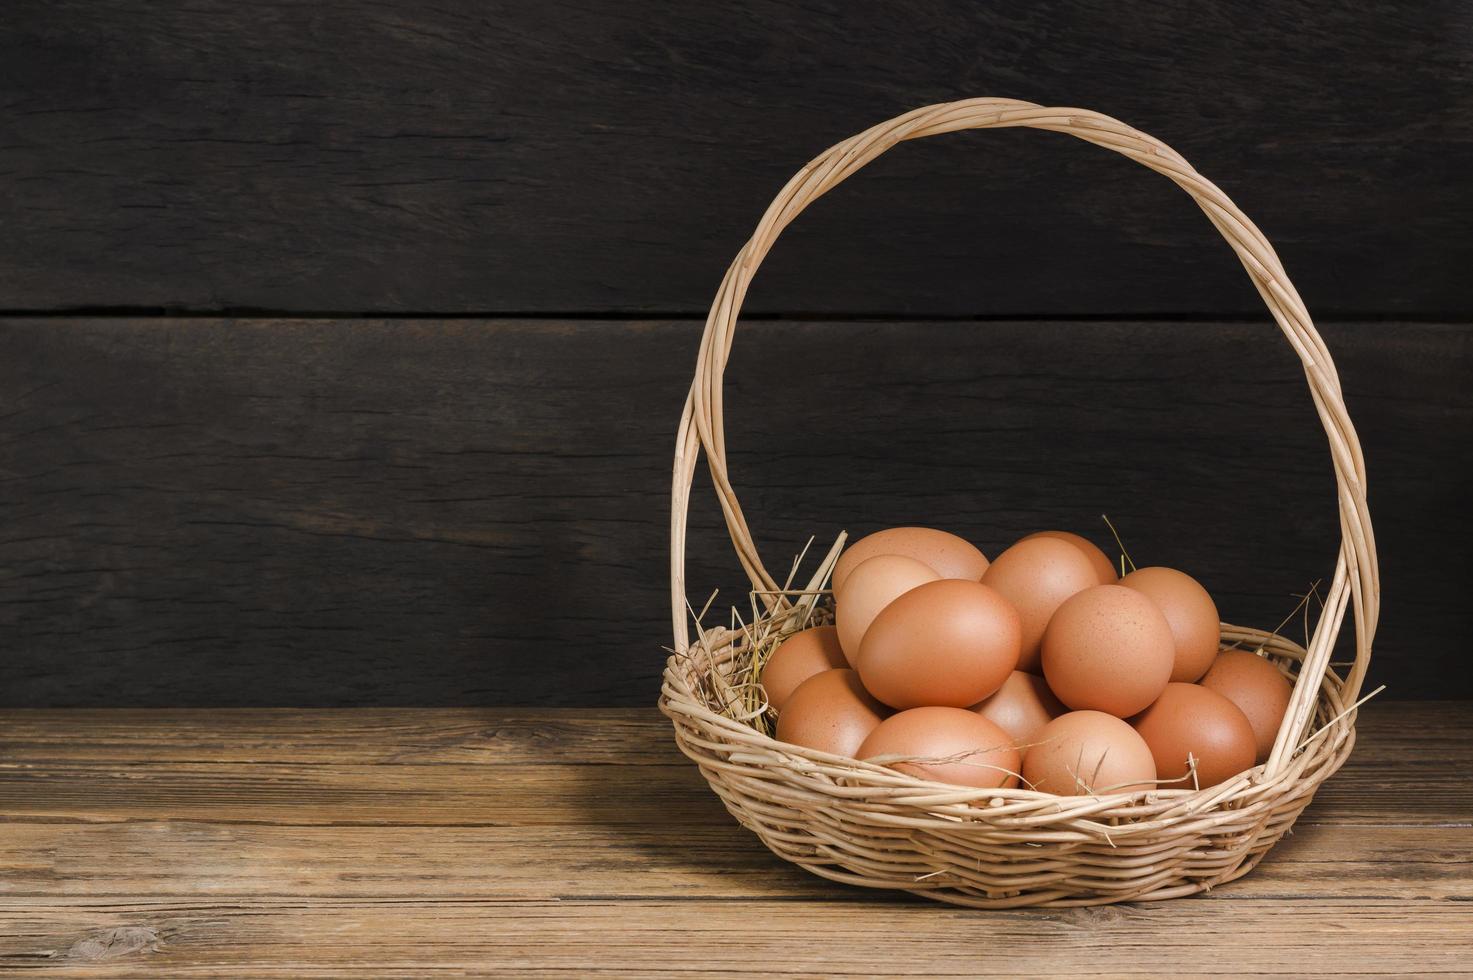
1356, 578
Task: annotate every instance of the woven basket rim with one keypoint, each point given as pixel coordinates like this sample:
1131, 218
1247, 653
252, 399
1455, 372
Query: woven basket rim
677, 700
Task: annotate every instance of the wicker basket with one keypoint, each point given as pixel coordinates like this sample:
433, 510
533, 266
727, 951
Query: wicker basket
867, 825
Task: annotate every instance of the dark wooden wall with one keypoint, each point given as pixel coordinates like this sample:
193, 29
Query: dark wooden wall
341, 347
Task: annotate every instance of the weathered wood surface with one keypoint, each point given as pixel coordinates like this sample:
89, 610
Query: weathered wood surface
561, 156
567, 842
320, 512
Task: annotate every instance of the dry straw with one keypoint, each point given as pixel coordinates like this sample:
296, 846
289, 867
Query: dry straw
867, 825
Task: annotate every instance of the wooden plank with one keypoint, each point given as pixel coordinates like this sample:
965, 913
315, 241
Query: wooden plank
358, 736
1427, 732
221, 877
495, 785
573, 157
456, 937
621, 768
694, 859
351, 511
434, 795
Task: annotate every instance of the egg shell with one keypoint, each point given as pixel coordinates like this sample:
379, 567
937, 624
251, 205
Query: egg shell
1036, 576
798, 658
1021, 707
949, 555
876, 583
1108, 649
830, 712
1257, 688
1189, 610
1189, 720
976, 752
1104, 567
950, 642
1085, 753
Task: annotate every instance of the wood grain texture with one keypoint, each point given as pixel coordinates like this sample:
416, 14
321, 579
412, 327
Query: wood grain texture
274, 872
562, 156
358, 511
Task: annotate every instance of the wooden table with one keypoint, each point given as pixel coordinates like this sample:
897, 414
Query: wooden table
535, 842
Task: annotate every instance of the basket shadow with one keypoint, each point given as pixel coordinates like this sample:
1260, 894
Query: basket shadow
665, 829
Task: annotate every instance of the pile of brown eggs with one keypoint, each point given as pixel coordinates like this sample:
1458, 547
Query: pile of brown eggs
1043, 664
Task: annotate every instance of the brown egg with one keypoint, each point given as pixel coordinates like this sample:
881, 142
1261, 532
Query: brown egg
1104, 567
1189, 720
1036, 576
1088, 753
1021, 707
949, 555
975, 751
831, 712
1190, 611
1108, 649
1259, 691
876, 583
950, 642
798, 658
